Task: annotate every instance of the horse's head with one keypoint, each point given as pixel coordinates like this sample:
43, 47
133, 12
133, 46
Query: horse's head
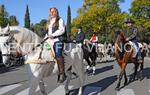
120, 38
119, 44
5, 30
4, 44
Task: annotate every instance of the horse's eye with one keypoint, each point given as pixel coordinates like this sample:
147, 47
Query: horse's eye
7, 43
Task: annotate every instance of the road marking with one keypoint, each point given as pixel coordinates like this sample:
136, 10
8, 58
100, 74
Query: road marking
8, 88
26, 91
92, 90
126, 92
59, 90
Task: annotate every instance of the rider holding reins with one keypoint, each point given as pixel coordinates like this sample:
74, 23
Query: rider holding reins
131, 35
56, 31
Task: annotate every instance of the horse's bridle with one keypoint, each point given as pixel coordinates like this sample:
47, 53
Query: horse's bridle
6, 44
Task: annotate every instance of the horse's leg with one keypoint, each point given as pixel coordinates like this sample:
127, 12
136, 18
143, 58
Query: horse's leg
141, 70
36, 75
123, 66
94, 63
34, 81
89, 63
135, 71
69, 74
125, 77
119, 81
42, 87
80, 71
81, 83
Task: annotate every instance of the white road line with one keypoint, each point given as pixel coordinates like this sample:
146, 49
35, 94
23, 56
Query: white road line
126, 92
59, 90
26, 91
8, 88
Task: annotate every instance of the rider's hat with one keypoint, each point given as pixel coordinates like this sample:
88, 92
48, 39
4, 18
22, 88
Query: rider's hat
79, 27
129, 20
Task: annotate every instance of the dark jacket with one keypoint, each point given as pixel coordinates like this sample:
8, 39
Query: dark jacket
80, 37
131, 33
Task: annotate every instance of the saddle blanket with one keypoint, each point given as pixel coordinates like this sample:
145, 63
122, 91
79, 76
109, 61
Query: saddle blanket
135, 48
38, 61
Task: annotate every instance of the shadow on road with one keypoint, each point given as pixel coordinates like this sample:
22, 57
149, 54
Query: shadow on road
106, 68
102, 84
12, 83
8, 69
146, 73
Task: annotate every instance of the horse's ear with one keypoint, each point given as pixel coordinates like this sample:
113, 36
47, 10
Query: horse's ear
7, 29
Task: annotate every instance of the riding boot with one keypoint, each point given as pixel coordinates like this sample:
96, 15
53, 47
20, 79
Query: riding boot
61, 68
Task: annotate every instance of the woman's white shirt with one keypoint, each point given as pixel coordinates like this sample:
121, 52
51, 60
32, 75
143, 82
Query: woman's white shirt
60, 31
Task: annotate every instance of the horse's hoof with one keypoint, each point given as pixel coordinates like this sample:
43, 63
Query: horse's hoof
93, 73
117, 88
87, 70
126, 83
68, 93
141, 78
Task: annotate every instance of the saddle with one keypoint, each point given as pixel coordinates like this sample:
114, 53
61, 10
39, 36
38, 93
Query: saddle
135, 48
37, 59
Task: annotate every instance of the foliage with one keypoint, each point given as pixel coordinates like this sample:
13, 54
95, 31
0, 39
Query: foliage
40, 28
69, 22
140, 11
3, 16
99, 16
13, 21
27, 18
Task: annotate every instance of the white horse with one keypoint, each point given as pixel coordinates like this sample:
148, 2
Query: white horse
26, 40
4, 49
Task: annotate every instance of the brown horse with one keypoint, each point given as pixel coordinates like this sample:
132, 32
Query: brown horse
123, 54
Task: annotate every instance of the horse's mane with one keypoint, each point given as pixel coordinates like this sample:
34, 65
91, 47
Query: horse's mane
120, 41
120, 37
24, 34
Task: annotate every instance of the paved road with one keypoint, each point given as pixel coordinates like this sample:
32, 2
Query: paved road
14, 81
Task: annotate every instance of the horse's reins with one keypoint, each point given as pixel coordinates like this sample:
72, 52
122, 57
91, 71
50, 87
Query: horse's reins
6, 34
35, 47
11, 37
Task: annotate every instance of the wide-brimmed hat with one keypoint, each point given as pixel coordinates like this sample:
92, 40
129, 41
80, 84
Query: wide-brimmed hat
129, 20
79, 27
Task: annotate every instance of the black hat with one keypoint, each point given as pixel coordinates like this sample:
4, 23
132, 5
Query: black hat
79, 27
129, 20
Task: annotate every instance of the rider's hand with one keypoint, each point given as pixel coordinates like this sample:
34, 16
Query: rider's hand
74, 41
127, 39
50, 36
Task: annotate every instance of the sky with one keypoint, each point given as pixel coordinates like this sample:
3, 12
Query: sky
39, 9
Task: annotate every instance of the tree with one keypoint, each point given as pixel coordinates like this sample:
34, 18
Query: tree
140, 11
3, 16
97, 16
27, 18
69, 22
13, 21
40, 28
